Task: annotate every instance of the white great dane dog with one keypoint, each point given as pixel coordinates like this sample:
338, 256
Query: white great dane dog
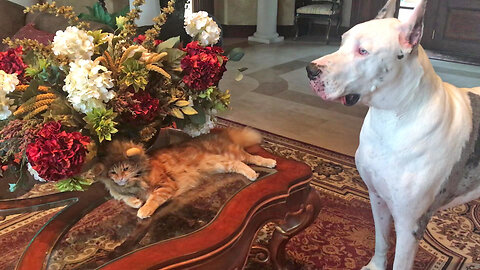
418, 149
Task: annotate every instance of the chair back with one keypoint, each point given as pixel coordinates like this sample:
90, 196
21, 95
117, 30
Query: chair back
302, 3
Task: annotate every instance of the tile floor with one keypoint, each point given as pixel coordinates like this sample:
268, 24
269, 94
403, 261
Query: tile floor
275, 96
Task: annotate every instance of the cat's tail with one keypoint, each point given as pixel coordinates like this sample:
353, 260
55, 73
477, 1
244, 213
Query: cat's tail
244, 137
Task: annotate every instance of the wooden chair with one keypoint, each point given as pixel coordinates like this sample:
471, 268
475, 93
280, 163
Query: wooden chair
330, 10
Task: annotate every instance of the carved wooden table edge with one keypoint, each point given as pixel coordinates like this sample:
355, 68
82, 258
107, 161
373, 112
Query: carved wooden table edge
291, 202
290, 198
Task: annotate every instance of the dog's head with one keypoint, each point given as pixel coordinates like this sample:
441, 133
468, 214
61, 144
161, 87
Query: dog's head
372, 56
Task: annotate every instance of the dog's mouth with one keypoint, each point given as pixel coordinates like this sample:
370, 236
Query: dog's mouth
319, 88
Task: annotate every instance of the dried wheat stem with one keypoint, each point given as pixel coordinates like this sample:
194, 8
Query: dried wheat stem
36, 112
156, 57
159, 70
26, 108
126, 53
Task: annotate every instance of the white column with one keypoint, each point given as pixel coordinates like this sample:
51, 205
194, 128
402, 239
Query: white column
150, 10
266, 22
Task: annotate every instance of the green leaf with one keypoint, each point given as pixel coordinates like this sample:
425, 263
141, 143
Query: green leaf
100, 123
174, 56
168, 44
177, 113
74, 184
236, 54
31, 91
200, 118
220, 59
189, 110
242, 69
98, 14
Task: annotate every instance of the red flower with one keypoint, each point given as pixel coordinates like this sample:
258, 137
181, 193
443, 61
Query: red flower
144, 107
203, 66
141, 38
57, 154
11, 62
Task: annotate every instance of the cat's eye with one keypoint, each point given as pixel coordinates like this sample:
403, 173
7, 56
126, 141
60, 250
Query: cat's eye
113, 172
125, 169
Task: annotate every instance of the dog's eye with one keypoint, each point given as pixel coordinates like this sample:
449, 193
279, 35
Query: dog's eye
362, 51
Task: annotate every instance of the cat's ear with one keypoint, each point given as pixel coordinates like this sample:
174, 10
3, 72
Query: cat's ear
133, 152
98, 169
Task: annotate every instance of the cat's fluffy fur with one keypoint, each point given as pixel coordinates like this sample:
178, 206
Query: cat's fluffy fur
146, 182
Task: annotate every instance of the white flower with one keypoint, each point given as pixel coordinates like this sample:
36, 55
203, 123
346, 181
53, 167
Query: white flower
195, 130
7, 85
34, 173
203, 28
87, 85
73, 43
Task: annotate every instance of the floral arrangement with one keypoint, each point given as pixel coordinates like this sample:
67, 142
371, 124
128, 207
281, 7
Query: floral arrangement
60, 103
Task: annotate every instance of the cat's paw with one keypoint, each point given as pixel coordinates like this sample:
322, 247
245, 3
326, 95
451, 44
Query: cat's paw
145, 212
270, 163
252, 175
134, 202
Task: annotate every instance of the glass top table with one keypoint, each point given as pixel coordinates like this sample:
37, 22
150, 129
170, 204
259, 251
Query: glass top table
209, 227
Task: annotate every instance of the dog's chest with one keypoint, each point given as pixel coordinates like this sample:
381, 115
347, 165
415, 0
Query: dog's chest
403, 158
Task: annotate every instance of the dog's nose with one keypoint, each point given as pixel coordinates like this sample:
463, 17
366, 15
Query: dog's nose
313, 71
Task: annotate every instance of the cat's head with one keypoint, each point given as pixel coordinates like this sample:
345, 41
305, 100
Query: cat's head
126, 173
125, 163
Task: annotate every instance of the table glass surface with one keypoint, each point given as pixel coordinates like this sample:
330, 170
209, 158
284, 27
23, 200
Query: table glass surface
113, 229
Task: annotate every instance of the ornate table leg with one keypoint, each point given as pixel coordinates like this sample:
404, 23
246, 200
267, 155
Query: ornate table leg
293, 223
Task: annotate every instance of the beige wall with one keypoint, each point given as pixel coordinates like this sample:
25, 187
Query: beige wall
24, 3
244, 12
79, 6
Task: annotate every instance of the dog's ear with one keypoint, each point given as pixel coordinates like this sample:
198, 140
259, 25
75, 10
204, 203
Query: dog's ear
411, 31
388, 11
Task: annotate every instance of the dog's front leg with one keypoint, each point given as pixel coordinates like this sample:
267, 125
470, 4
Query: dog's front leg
407, 229
383, 220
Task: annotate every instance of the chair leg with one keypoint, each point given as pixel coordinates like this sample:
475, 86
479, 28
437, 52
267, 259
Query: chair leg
328, 30
297, 28
339, 23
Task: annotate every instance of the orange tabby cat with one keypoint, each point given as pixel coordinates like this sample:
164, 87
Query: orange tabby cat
147, 182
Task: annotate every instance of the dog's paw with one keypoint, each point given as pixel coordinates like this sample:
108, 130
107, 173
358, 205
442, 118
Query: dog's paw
373, 266
134, 202
270, 163
145, 212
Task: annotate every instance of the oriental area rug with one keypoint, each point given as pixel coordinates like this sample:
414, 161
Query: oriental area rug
342, 237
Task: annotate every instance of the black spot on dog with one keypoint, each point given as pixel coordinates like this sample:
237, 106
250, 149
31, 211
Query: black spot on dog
400, 56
